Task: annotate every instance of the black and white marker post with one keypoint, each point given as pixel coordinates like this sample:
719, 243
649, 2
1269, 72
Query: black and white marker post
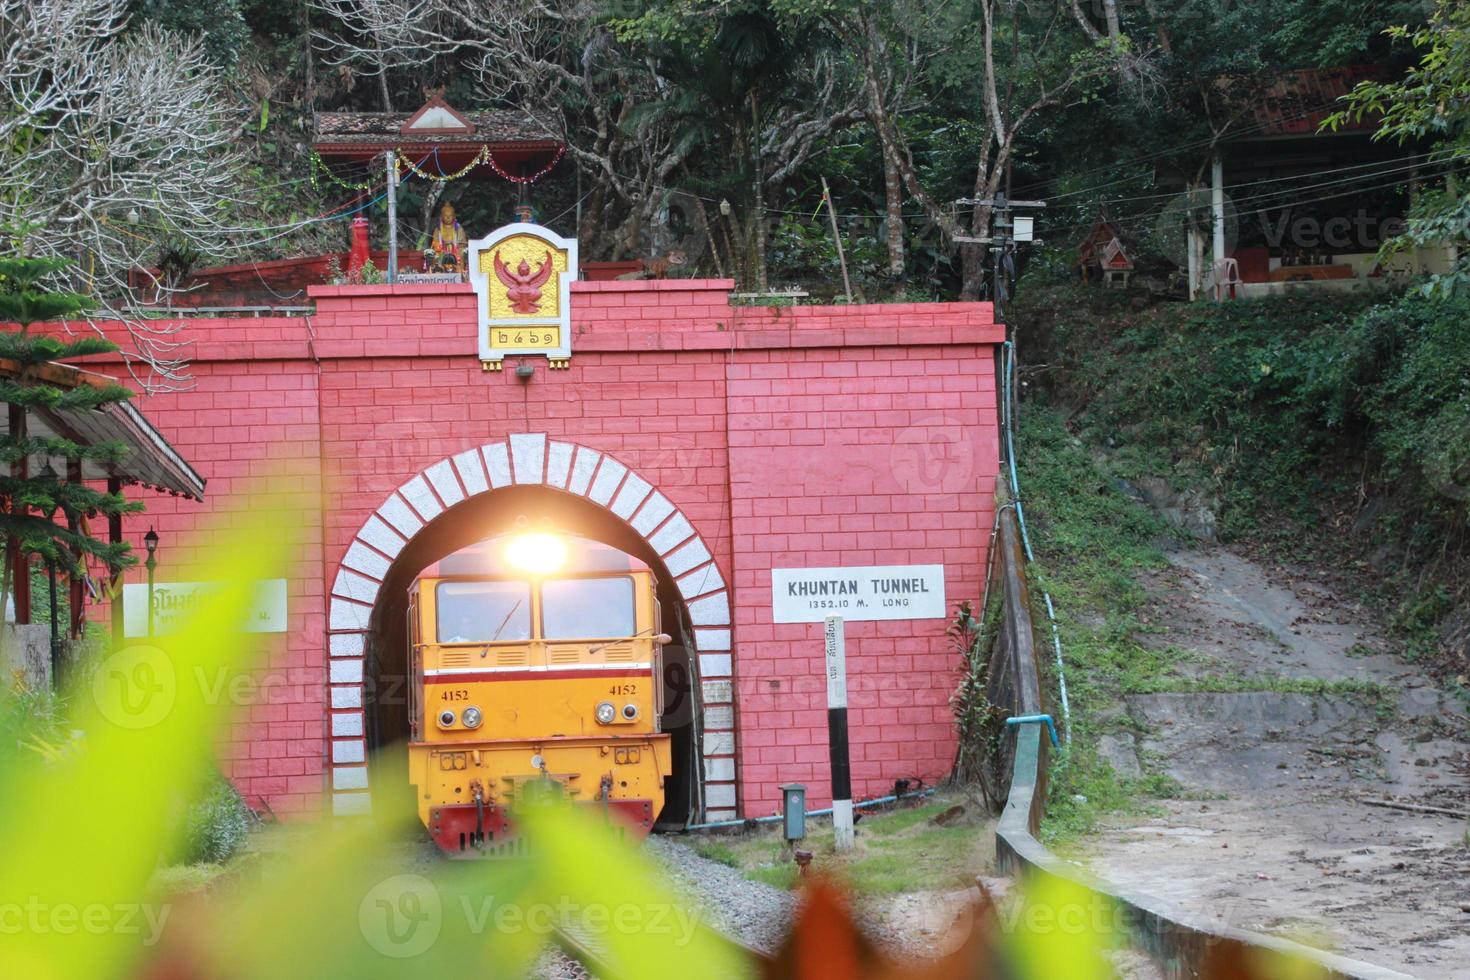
836, 645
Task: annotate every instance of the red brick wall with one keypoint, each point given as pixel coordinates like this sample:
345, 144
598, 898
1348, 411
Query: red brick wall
854, 456
811, 436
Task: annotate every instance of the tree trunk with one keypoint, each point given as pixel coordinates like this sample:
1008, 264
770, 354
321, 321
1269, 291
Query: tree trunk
972, 276
709, 234
309, 95
383, 81
758, 219
893, 212
1160, 30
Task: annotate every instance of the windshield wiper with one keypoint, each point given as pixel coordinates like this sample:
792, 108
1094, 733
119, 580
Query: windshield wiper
505, 621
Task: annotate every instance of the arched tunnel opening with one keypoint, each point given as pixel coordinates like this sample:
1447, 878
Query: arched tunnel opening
387, 674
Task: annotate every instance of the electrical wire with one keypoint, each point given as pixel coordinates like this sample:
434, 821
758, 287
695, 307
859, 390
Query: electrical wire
1170, 151
1418, 157
1286, 204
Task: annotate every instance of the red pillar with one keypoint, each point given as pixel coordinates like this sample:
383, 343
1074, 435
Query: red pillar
20, 568
359, 255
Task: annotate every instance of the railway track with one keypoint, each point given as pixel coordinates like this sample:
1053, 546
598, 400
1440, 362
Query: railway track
592, 956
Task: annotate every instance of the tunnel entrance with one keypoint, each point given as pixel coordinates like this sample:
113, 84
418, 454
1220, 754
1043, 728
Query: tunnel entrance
386, 677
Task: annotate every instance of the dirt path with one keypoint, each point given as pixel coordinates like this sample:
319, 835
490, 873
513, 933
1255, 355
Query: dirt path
1273, 834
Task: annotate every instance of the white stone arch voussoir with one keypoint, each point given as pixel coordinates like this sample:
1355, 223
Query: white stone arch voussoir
528, 459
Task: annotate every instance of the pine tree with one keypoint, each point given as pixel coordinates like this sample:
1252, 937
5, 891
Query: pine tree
43, 514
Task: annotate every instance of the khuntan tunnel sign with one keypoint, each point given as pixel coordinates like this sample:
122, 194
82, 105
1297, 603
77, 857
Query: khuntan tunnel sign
810, 595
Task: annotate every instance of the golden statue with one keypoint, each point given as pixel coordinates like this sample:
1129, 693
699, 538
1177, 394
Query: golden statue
449, 244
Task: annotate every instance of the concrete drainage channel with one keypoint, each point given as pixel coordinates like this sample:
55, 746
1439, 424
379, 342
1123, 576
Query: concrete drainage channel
1179, 942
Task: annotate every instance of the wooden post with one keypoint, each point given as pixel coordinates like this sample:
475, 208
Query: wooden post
115, 536
77, 595
1217, 223
837, 237
20, 570
836, 661
1195, 244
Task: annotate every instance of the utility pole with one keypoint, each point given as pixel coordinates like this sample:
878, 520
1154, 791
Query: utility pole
391, 158
1006, 232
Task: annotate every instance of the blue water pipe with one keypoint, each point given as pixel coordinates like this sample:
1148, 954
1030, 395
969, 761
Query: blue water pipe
1007, 394
1037, 719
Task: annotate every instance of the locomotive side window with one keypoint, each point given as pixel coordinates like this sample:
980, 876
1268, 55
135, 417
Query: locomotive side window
483, 612
587, 608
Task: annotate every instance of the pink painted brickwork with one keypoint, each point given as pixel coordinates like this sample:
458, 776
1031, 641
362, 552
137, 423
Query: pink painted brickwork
798, 437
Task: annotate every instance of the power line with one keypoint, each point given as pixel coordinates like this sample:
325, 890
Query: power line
1254, 211
1272, 180
1169, 151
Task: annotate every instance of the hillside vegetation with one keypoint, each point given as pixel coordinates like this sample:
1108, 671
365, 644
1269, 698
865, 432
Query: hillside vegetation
1313, 426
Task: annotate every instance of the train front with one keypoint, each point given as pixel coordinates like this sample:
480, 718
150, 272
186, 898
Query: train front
534, 669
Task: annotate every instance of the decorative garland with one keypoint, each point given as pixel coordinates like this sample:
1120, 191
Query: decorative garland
560, 152
404, 163
317, 163
480, 158
483, 157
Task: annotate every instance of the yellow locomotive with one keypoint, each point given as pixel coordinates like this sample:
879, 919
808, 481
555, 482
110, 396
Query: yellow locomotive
534, 664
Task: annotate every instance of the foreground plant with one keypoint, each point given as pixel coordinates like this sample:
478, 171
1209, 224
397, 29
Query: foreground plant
84, 830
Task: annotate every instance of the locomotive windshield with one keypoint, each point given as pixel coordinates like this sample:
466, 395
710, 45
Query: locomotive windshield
583, 608
484, 612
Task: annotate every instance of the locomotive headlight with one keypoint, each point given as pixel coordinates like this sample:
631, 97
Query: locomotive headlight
606, 713
537, 553
630, 711
471, 718
446, 719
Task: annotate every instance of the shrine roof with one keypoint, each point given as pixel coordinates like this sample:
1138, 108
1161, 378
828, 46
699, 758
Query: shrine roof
386, 129
150, 461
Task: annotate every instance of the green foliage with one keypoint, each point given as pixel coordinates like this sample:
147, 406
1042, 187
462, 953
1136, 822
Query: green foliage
221, 22
32, 723
978, 722
1229, 397
44, 510
214, 825
899, 849
1090, 542
1310, 422
1263, 402
24, 301
1402, 373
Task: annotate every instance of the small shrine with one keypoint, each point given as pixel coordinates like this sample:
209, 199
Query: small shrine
1103, 255
437, 142
1117, 264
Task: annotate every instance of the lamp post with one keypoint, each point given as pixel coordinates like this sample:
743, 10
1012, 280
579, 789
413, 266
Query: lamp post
150, 541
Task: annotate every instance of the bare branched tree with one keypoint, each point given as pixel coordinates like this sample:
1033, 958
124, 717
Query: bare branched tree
1020, 74
895, 67
629, 128
116, 151
378, 37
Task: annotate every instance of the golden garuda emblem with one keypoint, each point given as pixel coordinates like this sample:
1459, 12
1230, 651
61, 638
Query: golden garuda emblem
522, 276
